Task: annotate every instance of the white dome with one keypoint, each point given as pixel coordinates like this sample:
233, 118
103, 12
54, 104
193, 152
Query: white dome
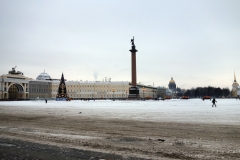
43, 76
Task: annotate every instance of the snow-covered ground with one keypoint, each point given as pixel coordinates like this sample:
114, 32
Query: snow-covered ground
193, 110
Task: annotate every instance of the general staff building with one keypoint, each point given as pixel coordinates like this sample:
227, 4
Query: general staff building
15, 85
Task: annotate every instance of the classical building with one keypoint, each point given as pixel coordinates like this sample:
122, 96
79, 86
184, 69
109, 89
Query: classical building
169, 92
149, 92
235, 87
172, 88
47, 88
238, 92
43, 76
87, 89
40, 89
14, 85
172, 85
161, 91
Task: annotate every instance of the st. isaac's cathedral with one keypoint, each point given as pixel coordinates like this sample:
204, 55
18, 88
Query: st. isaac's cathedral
172, 88
172, 85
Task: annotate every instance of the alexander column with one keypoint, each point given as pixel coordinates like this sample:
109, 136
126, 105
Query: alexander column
134, 91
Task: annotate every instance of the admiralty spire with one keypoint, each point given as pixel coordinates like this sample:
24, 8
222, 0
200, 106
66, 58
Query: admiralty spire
235, 86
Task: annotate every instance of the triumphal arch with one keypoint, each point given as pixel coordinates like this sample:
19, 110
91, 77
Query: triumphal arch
14, 85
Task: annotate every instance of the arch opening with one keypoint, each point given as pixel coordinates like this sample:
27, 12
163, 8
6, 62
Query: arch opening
15, 91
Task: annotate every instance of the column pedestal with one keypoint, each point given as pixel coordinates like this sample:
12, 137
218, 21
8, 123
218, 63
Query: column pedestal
133, 93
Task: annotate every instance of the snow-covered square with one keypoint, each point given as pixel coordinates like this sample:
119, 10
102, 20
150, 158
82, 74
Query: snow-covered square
175, 110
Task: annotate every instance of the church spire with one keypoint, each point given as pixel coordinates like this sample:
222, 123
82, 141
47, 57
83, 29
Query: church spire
234, 76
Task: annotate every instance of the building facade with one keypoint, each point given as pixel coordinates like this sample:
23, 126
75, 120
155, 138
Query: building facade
47, 88
235, 87
17, 86
161, 91
14, 85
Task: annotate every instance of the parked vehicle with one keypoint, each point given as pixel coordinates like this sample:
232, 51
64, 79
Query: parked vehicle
185, 97
206, 97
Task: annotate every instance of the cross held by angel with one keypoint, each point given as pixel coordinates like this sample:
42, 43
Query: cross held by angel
132, 41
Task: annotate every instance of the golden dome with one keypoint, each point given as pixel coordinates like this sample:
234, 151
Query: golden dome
171, 81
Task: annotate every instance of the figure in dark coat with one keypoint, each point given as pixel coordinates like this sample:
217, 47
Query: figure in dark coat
213, 102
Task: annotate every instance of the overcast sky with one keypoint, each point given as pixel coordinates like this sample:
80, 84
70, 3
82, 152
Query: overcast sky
195, 42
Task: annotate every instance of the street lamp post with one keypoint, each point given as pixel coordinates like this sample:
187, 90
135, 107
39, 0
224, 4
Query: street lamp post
143, 89
113, 90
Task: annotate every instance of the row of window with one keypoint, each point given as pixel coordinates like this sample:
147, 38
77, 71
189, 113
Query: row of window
95, 96
48, 90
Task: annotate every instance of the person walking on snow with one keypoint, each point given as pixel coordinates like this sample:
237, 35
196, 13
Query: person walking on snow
213, 102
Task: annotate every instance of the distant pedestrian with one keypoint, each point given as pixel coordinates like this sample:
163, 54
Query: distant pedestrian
213, 102
46, 100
